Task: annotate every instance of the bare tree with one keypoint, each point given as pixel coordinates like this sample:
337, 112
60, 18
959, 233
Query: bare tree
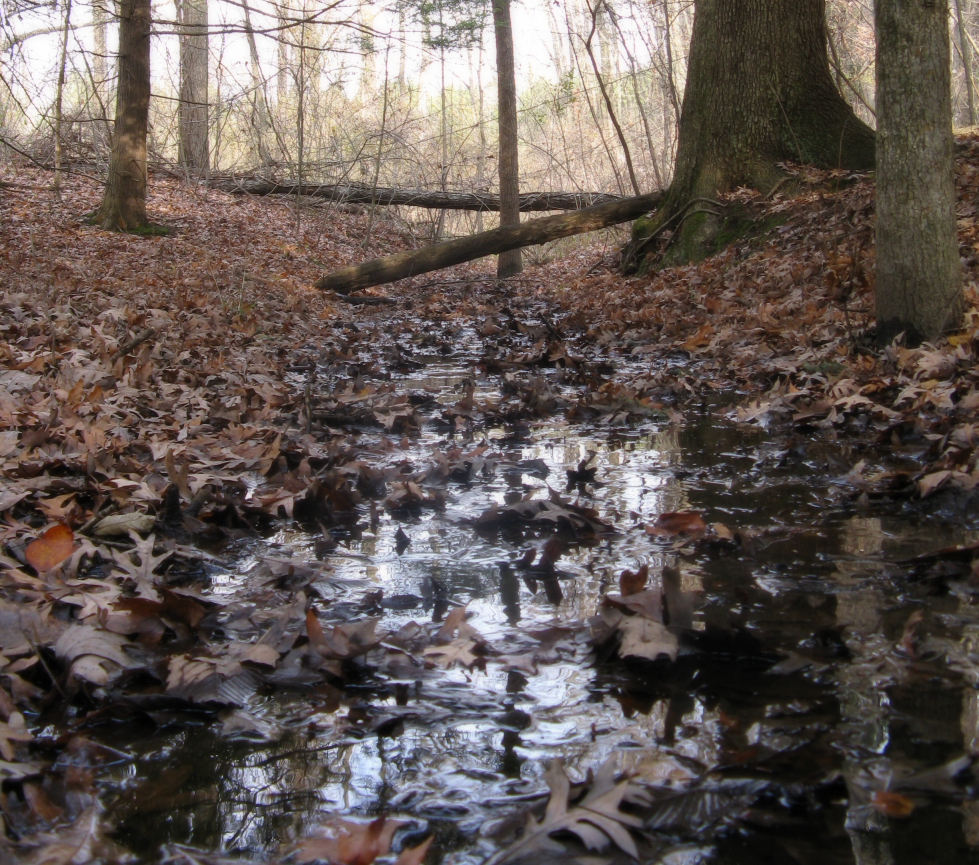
509, 262
194, 148
124, 203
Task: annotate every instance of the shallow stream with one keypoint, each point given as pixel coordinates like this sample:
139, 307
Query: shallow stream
810, 679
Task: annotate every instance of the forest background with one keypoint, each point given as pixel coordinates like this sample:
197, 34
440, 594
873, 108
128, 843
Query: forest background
399, 95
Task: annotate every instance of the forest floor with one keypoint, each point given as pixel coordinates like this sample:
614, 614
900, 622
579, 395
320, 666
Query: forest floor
307, 533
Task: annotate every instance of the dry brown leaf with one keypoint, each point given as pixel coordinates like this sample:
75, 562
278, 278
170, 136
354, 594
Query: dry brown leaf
123, 524
14, 730
92, 654
51, 549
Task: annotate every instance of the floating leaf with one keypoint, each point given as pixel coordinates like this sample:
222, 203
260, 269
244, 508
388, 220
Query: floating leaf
679, 523
596, 820
344, 842
892, 804
631, 583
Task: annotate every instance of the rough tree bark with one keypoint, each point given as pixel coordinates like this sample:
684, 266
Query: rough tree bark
100, 52
194, 147
509, 262
758, 92
124, 203
919, 280
364, 193
499, 240
260, 114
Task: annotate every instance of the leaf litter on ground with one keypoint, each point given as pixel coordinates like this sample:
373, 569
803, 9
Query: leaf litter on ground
244, 405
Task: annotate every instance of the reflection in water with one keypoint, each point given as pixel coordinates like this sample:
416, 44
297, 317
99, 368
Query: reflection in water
454, 750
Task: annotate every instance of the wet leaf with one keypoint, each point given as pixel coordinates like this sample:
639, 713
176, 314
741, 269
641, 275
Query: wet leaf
679, 523
891, 804
93, 655
342, 642
693, 811
82, 841
596, 821
51, 549
643, 638
459, 651
631, 583
207, 680
142, 573
414, 855
345, 842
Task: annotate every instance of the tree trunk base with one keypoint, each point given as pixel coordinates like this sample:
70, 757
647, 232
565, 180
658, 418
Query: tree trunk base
694, 230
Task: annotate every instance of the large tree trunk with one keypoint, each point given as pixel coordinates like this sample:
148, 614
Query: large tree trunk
919, 281
124, 204
194, 150
758, 93
509, 262
499, 240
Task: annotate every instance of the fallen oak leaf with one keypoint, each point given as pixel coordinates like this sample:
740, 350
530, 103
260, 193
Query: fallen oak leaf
933, 482
208, 680
87, 650
669, 525
631, 583
51, 549
699, 339
142, 573
451, 624
596, 820
458, 651
343, 642
344, 842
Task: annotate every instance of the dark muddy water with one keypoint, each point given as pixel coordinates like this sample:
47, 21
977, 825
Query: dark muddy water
805, 682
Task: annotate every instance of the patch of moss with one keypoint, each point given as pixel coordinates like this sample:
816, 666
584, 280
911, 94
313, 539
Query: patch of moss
703, 235
151, 229
645, 226
825, 367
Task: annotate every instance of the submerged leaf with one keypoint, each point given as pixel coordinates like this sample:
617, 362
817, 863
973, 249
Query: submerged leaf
344, 842
596, 820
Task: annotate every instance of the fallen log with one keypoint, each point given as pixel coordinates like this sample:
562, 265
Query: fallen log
362, 193
379, 271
